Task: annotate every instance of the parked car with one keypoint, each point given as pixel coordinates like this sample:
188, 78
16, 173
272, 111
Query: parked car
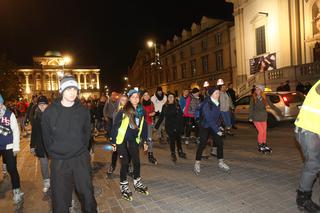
284, 106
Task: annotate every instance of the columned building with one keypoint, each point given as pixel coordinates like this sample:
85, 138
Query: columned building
273, 35
205, 52
44, 77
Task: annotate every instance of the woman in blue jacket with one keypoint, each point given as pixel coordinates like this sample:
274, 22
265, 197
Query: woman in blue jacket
210, 124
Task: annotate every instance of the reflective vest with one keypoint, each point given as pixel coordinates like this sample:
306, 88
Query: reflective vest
123, 129
309, 115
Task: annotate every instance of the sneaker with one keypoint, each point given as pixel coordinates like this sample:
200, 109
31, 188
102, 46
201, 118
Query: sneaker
214, 151
46, 185
222, 165
196, 168
17, 196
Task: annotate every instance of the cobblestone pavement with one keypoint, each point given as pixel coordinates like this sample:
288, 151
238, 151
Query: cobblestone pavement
257, 182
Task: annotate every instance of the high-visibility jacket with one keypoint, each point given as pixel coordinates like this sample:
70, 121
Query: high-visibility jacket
123, 129
309, 115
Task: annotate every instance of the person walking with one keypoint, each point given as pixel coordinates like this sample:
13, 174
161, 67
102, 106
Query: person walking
37, 144
66, 133
9, 148
149, 113
307, 133
173, 124
128, 132
259, 116
182, 104
210, 124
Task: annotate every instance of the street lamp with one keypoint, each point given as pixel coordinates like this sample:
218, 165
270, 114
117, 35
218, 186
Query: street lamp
67, 60
126, 78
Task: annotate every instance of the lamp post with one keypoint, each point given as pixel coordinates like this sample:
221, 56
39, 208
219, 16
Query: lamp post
156, 63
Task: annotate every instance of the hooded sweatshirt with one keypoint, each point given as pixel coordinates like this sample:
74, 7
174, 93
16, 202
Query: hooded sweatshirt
66, 130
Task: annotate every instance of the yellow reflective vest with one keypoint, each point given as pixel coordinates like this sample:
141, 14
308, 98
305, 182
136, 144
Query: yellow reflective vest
123, 129
309, 115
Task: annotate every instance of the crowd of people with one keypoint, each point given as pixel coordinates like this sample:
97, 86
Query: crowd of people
63, 132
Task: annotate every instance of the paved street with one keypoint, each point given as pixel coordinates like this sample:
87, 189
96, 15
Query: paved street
257, 183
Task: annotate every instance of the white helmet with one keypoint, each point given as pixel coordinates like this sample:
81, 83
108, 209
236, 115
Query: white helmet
220, 82
206, 84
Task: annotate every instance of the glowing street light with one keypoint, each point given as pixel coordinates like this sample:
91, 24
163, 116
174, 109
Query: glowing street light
126, 78
67, 60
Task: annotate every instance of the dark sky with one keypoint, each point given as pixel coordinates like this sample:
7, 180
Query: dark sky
105, 33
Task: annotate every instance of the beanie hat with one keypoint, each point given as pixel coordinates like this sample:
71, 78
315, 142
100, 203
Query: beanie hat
132, 91
195, 90
43, 100
260, 86
212, 90
159, 89
1, 99
220, 82
67, 82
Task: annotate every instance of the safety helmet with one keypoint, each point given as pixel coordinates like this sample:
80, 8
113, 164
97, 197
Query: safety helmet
220, 82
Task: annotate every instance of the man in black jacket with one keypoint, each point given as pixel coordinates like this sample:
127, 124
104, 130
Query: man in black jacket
66, 134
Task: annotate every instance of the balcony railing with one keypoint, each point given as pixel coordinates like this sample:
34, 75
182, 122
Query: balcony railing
272, 78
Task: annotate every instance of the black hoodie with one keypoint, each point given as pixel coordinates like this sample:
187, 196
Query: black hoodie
66, 130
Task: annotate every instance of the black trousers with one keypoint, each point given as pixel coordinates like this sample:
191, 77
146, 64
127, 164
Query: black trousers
68, 173
204, 135
175, 139
129, 150
11, 162
114, 158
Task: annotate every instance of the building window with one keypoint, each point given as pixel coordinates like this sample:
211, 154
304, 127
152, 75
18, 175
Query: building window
161, 77
167, 75
193, 67
205, 66
166, 61
219, 60
204, 44
181, 55
183, 70
260, 40
218, 38
192, 51
174, 73
173, 58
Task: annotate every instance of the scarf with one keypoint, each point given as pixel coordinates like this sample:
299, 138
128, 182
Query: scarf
146, 103
2, 111
159, 97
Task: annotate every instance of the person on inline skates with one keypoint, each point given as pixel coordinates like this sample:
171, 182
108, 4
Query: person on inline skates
128, 132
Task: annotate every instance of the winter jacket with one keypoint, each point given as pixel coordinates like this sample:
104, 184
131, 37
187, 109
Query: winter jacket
36, 135
211, 115
257, 111
173, 118
148, 109
9, 131
225, 102
130, 133
192, 103
109, 108
66, 130
158, 102
182, 103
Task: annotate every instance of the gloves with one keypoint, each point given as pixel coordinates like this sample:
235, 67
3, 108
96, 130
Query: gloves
114, 147
219, 133
33, 151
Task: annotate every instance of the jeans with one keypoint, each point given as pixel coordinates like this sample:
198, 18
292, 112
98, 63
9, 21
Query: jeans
44, 165
310, 146
226, 116
150, 142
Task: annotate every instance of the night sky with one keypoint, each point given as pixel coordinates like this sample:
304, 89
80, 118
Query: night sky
105, 33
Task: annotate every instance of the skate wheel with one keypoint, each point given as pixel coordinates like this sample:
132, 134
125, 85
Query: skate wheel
127, 198
146, 193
